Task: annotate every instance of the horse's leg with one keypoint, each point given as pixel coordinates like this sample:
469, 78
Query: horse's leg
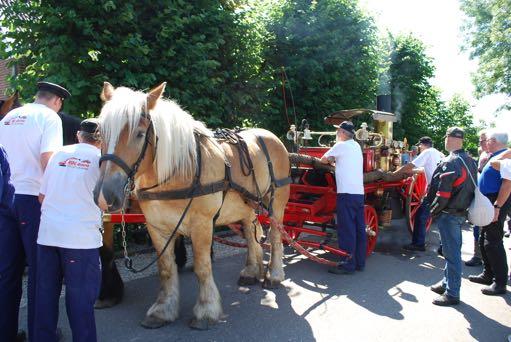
166, 307
275, 273
208, 308
253, 271
112, 287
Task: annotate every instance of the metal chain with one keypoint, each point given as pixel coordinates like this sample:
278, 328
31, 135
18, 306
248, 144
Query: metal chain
127, 191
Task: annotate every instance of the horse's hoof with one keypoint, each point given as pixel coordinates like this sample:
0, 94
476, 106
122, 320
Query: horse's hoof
246, 281
271, 284
200, 324
106, 303
150, 322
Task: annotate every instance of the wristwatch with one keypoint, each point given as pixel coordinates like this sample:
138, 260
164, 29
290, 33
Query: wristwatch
496, 206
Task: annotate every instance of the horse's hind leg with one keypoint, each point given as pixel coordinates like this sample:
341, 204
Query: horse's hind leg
166, 307
253, 271
275, 273
112, 287
208, 309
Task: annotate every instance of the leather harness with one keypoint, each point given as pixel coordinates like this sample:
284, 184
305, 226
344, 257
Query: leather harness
197, 189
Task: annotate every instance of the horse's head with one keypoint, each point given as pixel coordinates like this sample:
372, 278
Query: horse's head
9, 104
128, 142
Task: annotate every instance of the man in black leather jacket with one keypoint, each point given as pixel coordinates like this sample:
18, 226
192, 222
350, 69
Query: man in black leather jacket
450, 194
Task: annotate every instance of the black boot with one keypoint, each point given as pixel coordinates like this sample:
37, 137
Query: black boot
446, 300
481, 279
438, 288
475, 261
494, 290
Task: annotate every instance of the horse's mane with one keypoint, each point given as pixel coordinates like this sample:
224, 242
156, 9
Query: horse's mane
176, 154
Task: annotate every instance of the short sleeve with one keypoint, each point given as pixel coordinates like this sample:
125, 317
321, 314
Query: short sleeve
505, 169
51, 139
334, 151
421, 160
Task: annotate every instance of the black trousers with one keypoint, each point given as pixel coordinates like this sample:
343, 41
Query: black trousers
492, 247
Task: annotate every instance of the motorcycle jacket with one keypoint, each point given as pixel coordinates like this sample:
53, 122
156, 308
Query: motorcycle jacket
451, 189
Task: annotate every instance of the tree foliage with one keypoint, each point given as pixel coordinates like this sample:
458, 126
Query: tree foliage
488, 34
205, 50
414, 100
329, 51
418, 103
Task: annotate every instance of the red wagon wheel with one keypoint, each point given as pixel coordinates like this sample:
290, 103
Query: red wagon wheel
415, 191
371, 221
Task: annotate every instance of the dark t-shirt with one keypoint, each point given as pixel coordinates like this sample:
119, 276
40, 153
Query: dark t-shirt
70, 125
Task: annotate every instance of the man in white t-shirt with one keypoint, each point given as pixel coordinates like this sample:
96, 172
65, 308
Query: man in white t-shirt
346, 154
428, 159
30, 135
69, 238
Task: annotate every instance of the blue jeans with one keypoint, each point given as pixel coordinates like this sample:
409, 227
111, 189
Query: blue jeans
476, 233
450, 234
351, 233
419, 228
80, 270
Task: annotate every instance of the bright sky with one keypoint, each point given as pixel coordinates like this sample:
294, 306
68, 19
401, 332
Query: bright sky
437, 23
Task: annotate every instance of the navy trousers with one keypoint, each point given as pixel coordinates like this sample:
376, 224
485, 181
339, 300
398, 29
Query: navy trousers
12, 263
81, 271
419, 228
18, 247
351, 231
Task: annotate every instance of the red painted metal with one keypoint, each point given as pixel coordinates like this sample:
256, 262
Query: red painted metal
310, 211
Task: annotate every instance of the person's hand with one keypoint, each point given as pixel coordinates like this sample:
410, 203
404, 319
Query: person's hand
496, 213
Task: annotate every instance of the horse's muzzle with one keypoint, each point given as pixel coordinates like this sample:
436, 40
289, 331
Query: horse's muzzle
109, 192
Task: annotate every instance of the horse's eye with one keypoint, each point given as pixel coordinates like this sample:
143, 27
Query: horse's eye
140, 135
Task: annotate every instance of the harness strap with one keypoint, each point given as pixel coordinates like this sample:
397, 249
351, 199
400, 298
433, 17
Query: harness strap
118, 161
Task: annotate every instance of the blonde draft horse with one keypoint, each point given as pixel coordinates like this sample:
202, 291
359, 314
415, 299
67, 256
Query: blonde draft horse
162, 138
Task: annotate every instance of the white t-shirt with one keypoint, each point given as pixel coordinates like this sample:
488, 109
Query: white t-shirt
69, 216
505, 169
349, 175
428, 159
26, 133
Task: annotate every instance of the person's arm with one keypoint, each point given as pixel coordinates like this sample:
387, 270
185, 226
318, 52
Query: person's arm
405, 169
45, 158
504, 155
41, 198
51, 139
329, 156
504, 192
444, 191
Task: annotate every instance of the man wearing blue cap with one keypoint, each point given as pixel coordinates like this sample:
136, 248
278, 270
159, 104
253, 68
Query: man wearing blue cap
346, 154
30, 135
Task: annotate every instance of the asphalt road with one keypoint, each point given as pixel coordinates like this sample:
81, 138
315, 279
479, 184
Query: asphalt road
389, 301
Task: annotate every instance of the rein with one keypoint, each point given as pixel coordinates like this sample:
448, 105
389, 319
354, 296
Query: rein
128, 262
196, 189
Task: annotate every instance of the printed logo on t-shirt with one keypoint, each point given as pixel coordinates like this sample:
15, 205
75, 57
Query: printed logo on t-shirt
75, 163
17, 120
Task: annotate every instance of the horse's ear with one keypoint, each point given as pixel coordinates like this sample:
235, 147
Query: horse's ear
9, 103
107, 92
154, 95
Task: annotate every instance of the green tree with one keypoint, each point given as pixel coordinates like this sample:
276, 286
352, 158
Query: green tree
456, 113
488, 35
329, 50
414, 100
206, 50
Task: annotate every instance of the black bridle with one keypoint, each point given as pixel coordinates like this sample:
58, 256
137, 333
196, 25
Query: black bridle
130, 171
